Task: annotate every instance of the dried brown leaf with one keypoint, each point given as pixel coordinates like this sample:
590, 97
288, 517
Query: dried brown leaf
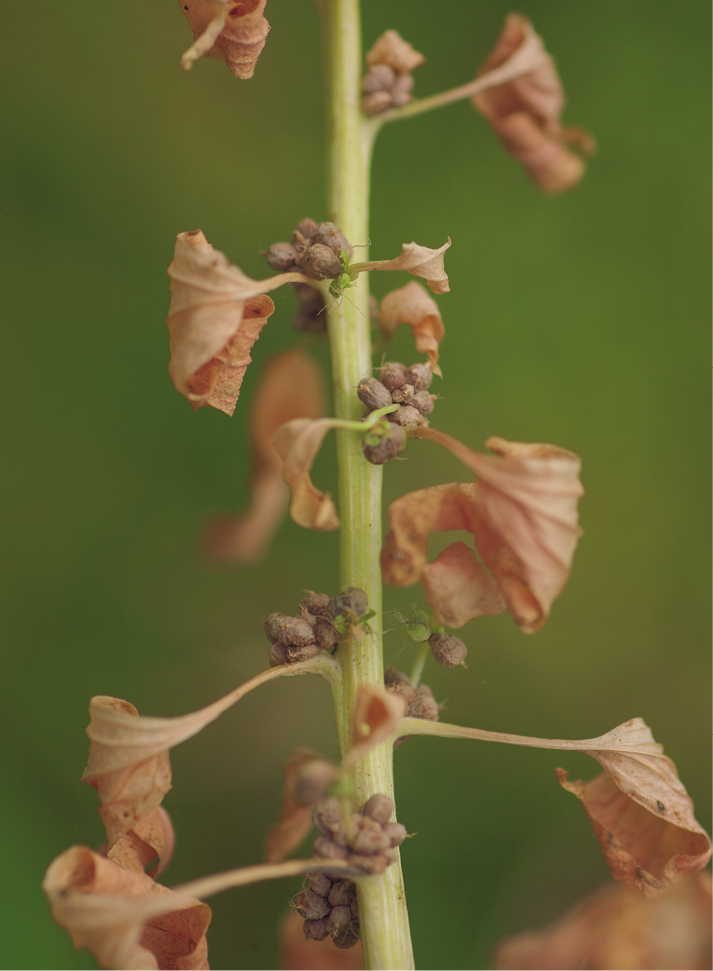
419, 260
525, 111
291, 386
522, 514
393, 50
215, 317
616, 928
376, 716
297, 443
151, 837
124, 918
296, 810
413, 306
458, 588
234, 30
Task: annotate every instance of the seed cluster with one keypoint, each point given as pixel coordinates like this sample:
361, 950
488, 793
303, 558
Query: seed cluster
383, 87
365, 840
448, 651
407, 387
321, 624
315, 250
329, 907
420, 702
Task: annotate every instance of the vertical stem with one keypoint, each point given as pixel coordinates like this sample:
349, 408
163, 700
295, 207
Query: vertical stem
382, 901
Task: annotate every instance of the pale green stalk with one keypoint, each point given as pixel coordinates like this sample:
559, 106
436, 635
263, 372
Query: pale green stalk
384, 925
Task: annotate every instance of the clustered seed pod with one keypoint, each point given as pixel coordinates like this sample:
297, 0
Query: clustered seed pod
329, 906
420, 702
365, 840
449, 651
390, 444
292, 639
396, 385
322, 623
310, 318
383, 88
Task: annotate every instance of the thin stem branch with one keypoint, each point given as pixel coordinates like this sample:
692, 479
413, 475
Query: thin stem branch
243, 876
419, 663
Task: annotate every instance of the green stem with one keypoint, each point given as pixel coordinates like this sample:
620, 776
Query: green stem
382, 903
419, 663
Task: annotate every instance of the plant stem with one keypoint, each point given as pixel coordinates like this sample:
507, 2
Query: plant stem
382, 903
419, 663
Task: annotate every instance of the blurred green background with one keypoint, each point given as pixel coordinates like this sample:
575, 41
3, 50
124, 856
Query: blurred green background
581, 321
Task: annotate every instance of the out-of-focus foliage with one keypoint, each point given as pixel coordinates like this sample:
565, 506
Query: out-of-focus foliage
581, 320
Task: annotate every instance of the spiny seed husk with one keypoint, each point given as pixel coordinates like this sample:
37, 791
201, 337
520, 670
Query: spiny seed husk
373, 394
420, 376
449, 651
408, 417
378, 807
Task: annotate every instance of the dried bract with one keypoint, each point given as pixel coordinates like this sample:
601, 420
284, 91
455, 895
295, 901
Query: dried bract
525, 111
413, 306
297, 443
234, 30
393, 50
419, 260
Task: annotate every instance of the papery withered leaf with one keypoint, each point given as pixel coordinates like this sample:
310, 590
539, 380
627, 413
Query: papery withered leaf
297, 443
618, 928
376, 716
419, 260
151, 837
291, 386
215, 317
307, 776
234, 30
390, 48
525, 111
458, 588
124, 918
413, 306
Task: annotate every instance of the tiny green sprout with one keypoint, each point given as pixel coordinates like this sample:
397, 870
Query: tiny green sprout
376, 434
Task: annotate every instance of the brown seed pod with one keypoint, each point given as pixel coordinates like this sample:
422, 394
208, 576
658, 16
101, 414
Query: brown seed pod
278, 655
329, 235
320, 883
301, 652
392, 375
320, 262
449, 651
420, 376
315, 603
380, 77
342, 893
396, 833
288, 630
300, 242
313, 782
345, 938
392, 676
354, 907
324, 633
375, 863
373, 394
403, 395
375, 103
328, 817
306, 228
370, 837
340, 918
327, 849
401, 90
408, 417
423, 705
316, 930
352, 600
378, 807
391, 445
424, 402
405, 691
281, 257
310, 905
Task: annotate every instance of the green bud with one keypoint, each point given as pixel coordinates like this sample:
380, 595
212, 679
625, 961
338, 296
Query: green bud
418, 627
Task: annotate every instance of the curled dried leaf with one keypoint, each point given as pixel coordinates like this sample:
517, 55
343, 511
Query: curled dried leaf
419, 260
291, 386
413, 306
234, 30
297, 443
617, 928
458, 589
525, 111
523, 517
152, 837
307, 779
215, 317
393, 50
124, 918
376, 716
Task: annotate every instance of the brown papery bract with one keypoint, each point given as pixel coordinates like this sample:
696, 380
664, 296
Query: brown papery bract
215, 316
124, 918
291, 386
522, 513
390, 48
296, 811
376, 716
234, 30
128, 760
152, 837
525, 111
297, 443
413, 306
419, 260
616, 928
